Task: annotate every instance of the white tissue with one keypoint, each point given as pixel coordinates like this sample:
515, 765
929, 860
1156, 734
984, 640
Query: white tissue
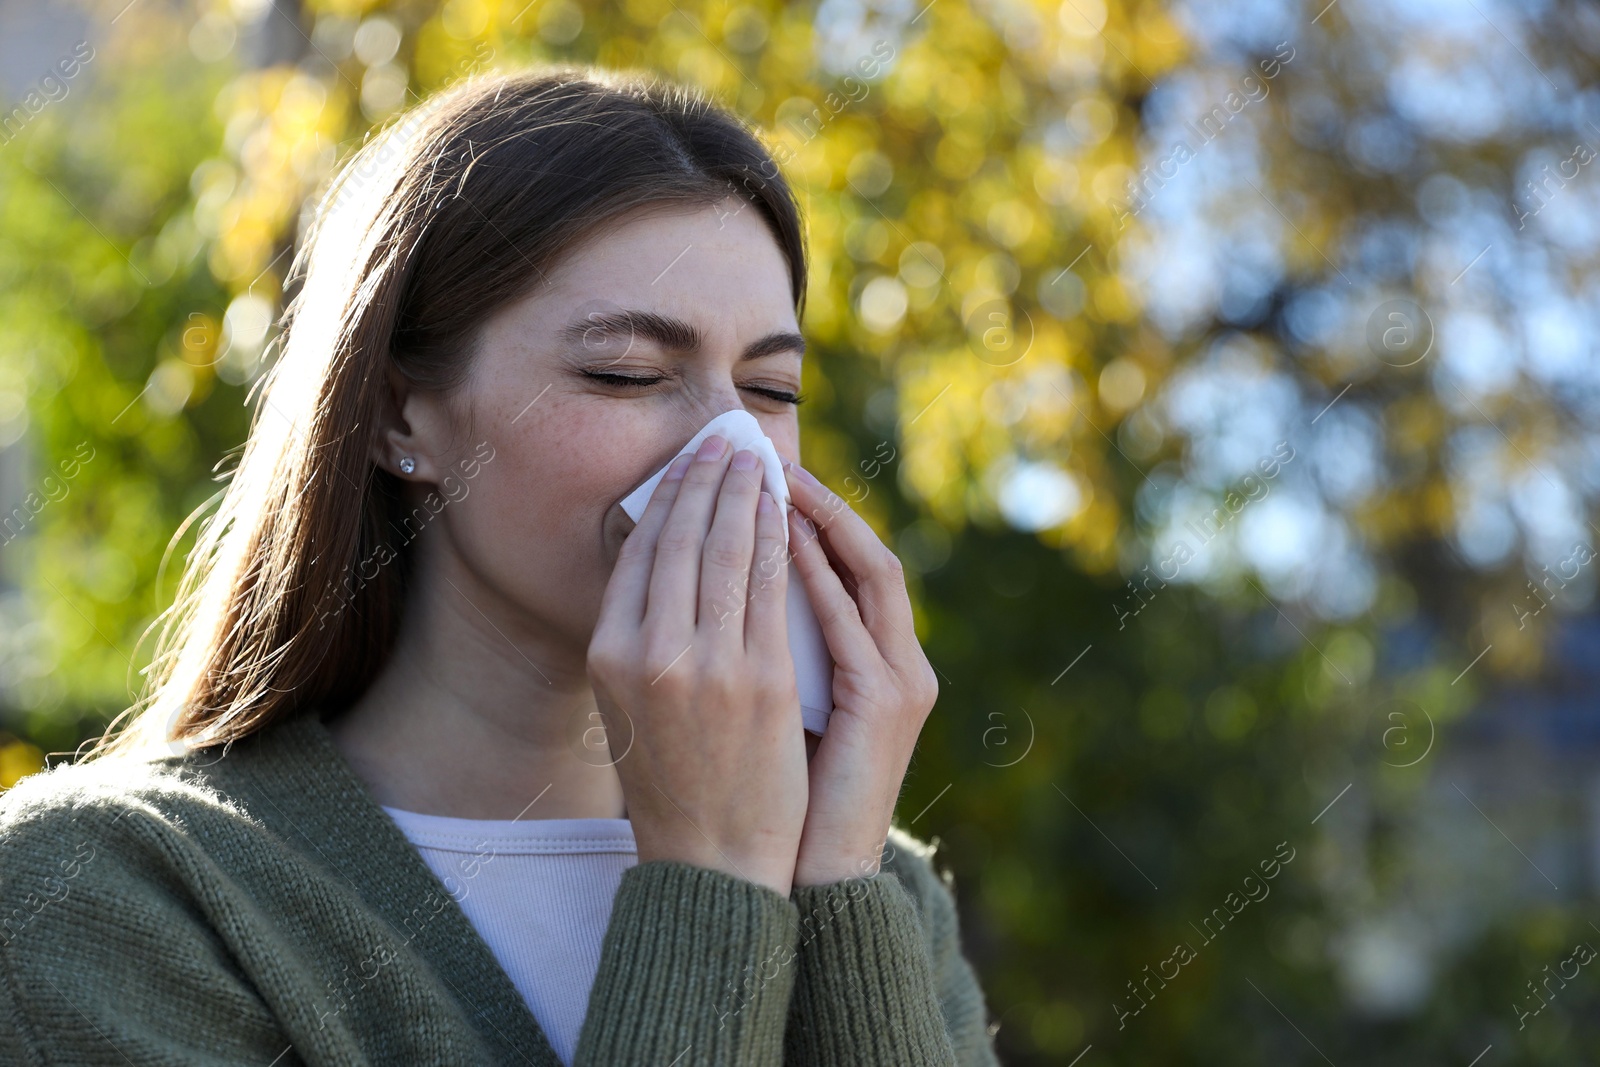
813, 666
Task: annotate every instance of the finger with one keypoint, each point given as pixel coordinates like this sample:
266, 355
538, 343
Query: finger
725, 559
766, 631
849, 642
877, 580
675, 580
625, 593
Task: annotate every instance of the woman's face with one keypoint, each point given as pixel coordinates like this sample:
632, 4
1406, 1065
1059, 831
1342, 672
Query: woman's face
592, 383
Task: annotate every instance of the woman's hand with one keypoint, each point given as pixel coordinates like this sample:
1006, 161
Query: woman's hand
694, 652
883, 685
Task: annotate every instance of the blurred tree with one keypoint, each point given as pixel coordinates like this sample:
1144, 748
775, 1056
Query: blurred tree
1052, 347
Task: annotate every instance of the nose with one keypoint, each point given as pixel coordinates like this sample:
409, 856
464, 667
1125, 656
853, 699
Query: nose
703, 404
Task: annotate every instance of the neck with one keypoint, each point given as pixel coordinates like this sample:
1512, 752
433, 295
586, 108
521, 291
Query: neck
478, 715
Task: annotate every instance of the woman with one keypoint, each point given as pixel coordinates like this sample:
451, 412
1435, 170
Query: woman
444, 760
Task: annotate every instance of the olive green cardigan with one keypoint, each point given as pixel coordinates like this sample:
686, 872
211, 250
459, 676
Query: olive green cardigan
257, 906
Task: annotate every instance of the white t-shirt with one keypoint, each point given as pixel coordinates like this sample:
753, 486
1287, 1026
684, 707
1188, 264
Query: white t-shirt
539, 892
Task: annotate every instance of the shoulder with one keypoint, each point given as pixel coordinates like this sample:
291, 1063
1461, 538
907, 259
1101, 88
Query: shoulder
105, 885
108, 835
128, 819
69, 798
929, 883
931, 886
915, 862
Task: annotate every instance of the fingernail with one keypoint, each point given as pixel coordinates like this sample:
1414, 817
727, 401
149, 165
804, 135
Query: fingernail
764, 504
804, 523
711, 448
676, 468
801, 473
744, 460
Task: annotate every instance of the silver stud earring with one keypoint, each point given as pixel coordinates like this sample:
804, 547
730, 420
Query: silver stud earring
407, 465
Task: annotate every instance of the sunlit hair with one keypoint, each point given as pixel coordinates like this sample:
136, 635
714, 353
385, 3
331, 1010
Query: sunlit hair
455, 210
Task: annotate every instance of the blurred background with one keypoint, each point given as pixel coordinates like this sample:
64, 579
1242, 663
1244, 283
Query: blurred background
1224, 374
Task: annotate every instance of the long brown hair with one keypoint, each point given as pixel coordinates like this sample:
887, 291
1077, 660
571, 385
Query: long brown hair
454, 211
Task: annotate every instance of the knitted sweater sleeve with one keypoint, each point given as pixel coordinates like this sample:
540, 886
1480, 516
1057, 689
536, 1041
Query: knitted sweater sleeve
696, 968
881, 979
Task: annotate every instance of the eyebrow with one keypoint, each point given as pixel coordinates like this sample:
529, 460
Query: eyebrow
673, 334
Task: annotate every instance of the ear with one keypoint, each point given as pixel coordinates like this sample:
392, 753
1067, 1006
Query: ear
411, 423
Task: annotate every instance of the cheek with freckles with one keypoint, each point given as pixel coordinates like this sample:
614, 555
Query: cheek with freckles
534, 525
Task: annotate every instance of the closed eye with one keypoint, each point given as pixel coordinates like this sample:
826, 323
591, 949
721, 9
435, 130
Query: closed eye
624, 381
776, 394
632, 381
